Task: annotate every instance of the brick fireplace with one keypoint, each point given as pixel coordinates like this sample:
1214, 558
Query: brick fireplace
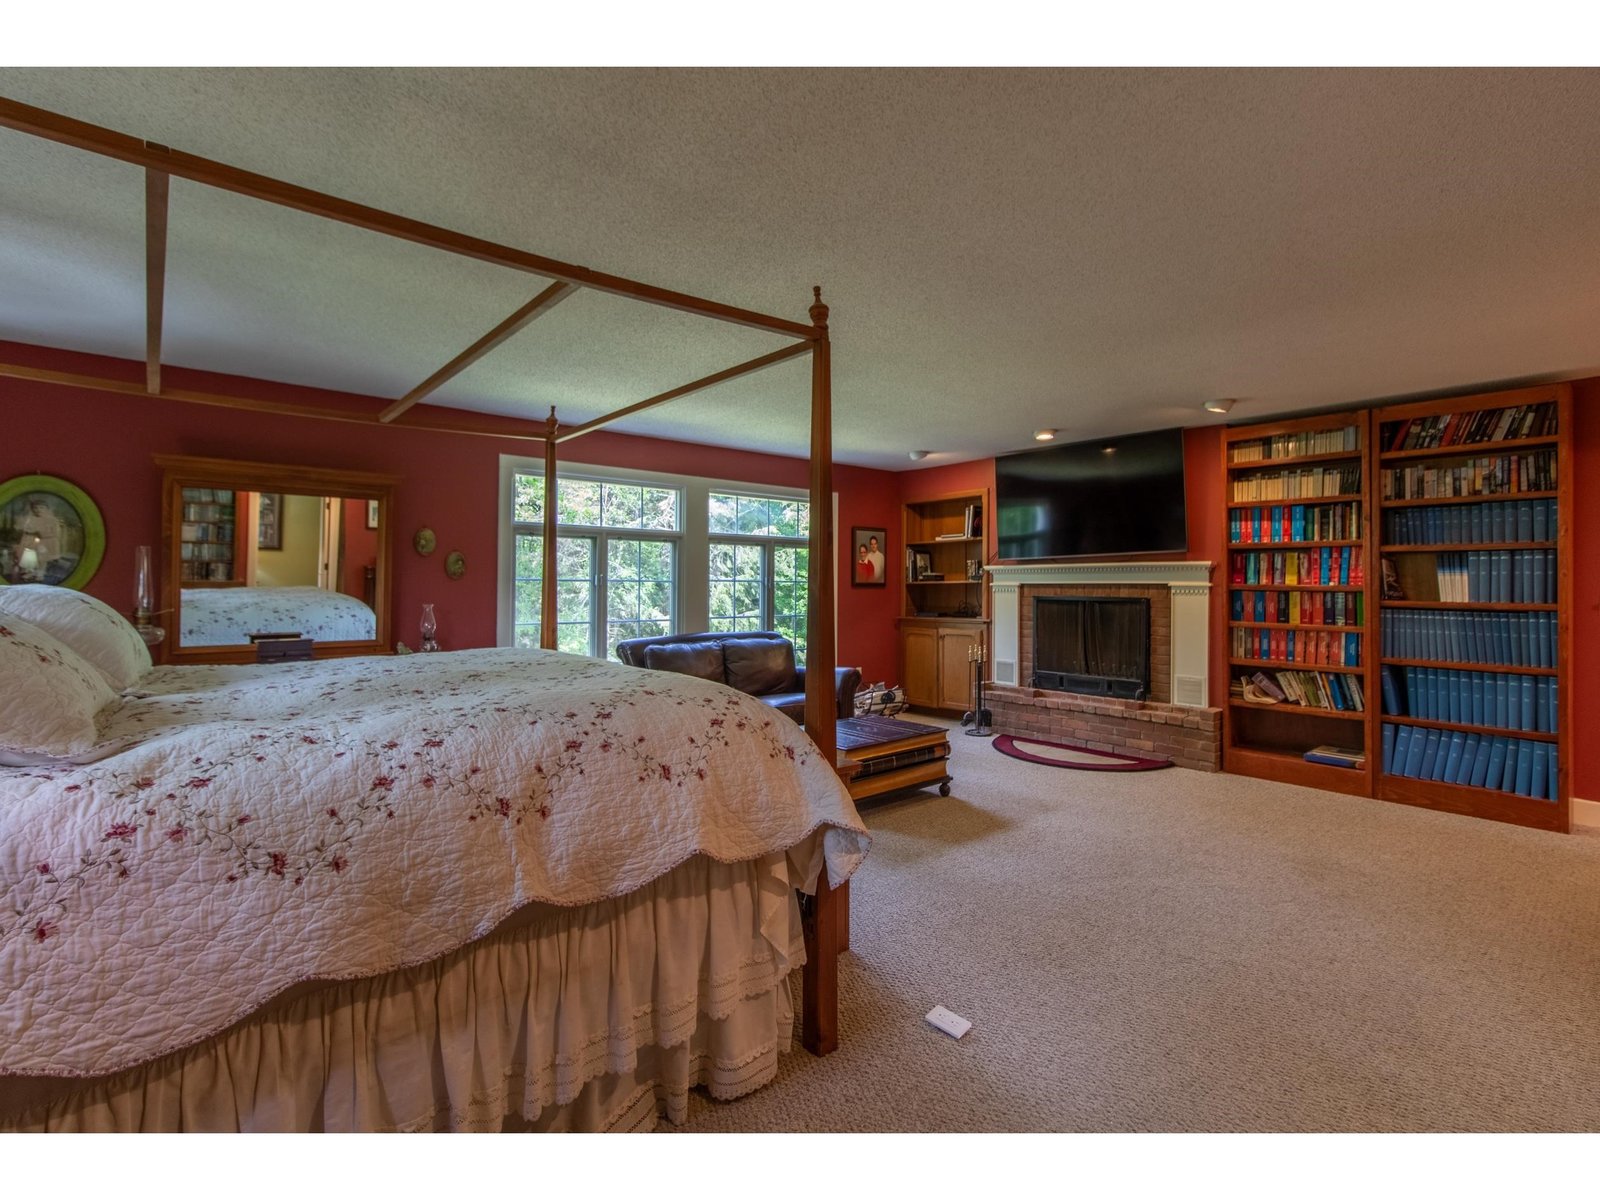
1174, 722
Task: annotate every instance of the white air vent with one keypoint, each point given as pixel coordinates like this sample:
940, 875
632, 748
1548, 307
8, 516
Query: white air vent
1005, 672
1189, 690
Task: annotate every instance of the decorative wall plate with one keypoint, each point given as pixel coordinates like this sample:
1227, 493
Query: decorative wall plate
424, 541
50, 532
456, 565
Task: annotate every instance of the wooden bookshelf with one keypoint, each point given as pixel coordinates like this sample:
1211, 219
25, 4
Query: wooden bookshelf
942, 621
1270, 740
1419, 568
211, 544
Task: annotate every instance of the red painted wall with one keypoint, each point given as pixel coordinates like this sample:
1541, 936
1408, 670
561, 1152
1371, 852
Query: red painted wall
450, 482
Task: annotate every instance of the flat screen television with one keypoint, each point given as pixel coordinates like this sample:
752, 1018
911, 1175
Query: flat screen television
1120, 495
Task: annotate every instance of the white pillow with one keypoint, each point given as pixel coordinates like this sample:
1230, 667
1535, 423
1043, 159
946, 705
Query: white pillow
48, 696
94, 630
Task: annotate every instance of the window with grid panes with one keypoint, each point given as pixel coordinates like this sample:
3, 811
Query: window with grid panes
758, 564
616, 562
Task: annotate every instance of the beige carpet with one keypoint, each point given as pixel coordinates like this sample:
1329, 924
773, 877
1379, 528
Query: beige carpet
1179, 951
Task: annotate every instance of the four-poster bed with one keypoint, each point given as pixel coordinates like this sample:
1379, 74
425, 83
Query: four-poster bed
821, 912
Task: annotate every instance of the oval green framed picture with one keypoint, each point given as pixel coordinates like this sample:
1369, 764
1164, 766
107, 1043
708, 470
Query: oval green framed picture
50, 532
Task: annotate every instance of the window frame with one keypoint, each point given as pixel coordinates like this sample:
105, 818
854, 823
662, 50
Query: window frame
692, 599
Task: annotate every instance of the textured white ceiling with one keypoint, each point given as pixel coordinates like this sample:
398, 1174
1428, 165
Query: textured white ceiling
1093, 250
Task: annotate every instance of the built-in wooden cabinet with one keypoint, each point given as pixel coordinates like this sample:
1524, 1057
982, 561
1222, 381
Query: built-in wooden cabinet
1297, 501
1442, 533
944, 598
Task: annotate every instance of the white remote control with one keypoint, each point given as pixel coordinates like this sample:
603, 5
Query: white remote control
945, 1021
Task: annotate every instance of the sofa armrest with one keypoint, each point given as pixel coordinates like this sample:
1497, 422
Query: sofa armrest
845, 682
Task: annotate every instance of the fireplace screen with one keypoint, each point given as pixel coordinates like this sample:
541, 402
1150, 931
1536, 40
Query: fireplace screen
1097, 646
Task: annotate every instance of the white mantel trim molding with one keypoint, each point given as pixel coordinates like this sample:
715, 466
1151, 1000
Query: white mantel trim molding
1188, 582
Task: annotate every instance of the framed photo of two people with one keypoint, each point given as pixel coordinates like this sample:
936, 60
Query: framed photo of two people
869, 557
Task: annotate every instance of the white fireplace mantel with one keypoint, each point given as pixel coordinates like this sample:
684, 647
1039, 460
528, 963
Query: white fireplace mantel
1188, 582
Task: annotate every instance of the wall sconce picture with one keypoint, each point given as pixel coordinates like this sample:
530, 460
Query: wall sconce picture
455, 566
50, 532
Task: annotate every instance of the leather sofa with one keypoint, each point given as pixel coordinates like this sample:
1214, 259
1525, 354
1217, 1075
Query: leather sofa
759, 664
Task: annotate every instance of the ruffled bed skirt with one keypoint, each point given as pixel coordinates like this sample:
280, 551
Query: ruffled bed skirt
596, 1018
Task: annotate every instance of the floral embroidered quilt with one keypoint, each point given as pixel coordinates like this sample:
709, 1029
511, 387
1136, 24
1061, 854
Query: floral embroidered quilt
228, 616
347, 817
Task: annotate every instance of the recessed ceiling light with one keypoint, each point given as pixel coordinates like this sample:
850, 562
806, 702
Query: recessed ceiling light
1044, 435
920, 454
1218, 406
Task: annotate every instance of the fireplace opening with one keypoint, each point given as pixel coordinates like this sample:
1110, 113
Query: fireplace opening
1099, 647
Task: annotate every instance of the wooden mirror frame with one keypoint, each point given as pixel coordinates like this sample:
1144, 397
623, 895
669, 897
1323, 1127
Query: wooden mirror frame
179, 472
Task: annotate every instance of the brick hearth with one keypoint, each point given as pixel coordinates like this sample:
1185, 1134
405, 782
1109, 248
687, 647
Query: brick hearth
1174, 723
1190, 737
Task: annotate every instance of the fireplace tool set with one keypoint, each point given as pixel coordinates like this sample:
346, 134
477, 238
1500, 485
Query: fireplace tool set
978, 721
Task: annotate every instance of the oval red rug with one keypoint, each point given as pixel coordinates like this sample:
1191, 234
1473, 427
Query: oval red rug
1078, 758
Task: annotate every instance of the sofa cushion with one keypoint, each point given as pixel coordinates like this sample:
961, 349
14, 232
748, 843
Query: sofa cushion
792, 704
702, 660
759, 665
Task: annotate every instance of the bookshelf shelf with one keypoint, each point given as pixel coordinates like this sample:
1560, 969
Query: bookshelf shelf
1333, 499
1454, 605
1431, 500
946, 541
1298, 460
1544, 457
1469, 450
1291, 545
1299, 710
1296, 625
1301, 587
1496, 668
1448, 547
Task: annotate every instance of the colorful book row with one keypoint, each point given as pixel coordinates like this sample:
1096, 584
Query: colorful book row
1526, 703
1310, 483
1493, 639
1310, 689
1300, 608
1294, 445
1466, 428
1314, 647
1507, 764
1334, 565
1296, 523
1501, 474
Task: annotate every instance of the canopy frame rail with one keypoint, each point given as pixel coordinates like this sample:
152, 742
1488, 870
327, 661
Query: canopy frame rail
160, 164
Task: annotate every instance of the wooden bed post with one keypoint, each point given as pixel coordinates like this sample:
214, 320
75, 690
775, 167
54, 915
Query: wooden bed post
819, 1031
547, 587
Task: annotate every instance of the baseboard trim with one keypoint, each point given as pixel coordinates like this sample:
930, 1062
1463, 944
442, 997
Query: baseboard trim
1586, 813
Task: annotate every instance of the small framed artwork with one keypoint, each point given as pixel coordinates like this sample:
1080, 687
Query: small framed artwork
50, 532
372, 514
869, 557
269, 524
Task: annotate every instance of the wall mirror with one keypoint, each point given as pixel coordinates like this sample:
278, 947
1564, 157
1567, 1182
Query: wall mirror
252, 549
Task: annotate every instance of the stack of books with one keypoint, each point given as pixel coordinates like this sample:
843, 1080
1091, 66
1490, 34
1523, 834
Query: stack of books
1337, 756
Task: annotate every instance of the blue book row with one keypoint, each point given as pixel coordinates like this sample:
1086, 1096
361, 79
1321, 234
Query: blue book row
1497, 576
1497, 521
1491, 638
1523, 702
1476, 760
